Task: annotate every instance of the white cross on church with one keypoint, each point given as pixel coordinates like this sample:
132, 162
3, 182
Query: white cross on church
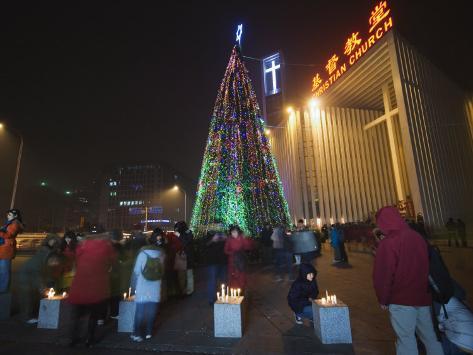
388, 118
272, 70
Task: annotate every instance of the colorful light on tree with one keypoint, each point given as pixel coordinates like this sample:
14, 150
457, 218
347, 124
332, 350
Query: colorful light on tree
239, 182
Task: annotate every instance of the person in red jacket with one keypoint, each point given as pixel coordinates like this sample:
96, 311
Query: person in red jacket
8, 233
90, 289
400, 278
235, 247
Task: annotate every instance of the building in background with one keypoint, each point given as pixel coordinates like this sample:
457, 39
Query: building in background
384, 127
143, 196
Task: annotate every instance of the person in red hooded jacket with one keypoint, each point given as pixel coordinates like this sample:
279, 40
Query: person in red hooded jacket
400, 278
90, 289
8, 233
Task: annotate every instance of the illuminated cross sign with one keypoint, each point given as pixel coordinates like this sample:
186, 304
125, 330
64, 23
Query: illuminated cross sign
272, 74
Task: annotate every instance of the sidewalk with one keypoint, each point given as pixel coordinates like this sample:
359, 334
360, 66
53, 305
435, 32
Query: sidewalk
186, 325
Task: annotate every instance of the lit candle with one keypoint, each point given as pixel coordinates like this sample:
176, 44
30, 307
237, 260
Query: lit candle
129, 292
51, 293
326, 293
335, 299
124, 296
223, 291
64, 294
227, 291
323, 300
239, 292
218, 296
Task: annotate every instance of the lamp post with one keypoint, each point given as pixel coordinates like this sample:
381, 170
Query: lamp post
18, 163
176, 187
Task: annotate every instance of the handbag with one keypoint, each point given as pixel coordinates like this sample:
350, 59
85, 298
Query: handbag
180, 261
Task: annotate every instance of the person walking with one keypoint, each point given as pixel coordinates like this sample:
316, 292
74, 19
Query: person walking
8, 233
400, 279
146, 282
236, 247
282, 251
90, 289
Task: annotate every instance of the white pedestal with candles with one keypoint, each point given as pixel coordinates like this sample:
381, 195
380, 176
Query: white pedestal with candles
331, 320
53, 311
229, 313
126, 313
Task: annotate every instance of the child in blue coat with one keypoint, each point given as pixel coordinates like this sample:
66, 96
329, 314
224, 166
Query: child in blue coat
302, 292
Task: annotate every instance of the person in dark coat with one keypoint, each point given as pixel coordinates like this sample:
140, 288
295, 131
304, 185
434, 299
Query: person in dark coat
303, 292
8, 233
186, 278
266, 243
217, 263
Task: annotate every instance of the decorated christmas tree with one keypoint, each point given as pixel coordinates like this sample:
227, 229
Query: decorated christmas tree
239, 182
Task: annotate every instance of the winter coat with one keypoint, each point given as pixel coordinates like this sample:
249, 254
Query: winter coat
187, 240
215, 254
234, 246
401, 268
35, 270
302, 289
91, 284
9, 232
335, 237
266, 237
146, 290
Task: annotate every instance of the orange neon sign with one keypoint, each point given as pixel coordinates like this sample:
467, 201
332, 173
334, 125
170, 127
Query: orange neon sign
380, 23
378, 14
351, 43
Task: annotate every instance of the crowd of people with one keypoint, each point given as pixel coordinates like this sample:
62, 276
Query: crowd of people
95, 270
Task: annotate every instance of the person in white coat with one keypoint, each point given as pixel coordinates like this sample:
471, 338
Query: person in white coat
146, 282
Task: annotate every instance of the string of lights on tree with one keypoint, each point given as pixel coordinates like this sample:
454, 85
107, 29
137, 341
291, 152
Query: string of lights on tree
239, 182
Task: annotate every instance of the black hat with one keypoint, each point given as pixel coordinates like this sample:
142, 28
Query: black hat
15, 213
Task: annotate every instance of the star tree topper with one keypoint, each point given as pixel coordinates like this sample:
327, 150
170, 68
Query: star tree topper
239, 32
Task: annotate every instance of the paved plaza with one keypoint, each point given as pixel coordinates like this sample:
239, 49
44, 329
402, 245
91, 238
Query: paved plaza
186, 325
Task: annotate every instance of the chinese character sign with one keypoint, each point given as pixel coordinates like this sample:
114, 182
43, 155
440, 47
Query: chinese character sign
378, 14
332, 64
356, 45
352, 42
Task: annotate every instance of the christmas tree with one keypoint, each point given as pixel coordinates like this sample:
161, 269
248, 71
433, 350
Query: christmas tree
239, 182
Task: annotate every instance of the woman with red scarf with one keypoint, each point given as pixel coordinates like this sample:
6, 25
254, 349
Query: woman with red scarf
236, 247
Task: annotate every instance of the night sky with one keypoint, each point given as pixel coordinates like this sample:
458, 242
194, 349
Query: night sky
100, 82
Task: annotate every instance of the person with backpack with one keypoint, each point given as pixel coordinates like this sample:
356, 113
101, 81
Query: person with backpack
401, 282
146, 284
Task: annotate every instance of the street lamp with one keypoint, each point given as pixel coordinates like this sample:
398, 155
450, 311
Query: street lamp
176, 187
18, 163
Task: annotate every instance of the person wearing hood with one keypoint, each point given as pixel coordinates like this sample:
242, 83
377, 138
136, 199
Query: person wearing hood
90, 289
303, 292
400, 279
8, 233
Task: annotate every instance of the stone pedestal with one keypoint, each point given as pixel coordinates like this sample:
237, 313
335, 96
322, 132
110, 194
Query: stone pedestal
332, 322
229, 318
5, 305
53, 313
126, 315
